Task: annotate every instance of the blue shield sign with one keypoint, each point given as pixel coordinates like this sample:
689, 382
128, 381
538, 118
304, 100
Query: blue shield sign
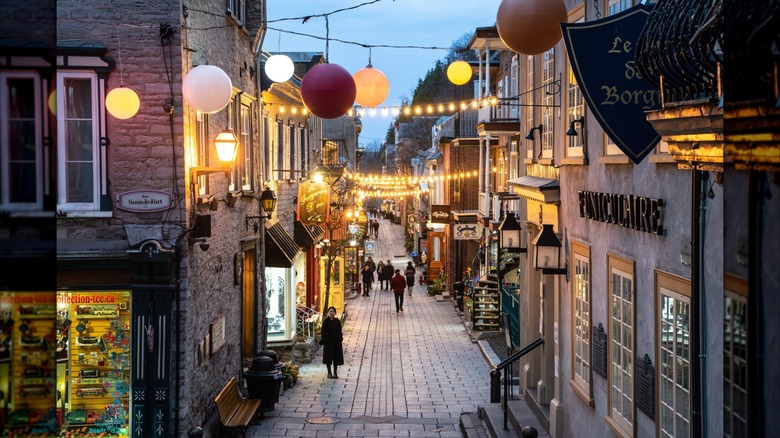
601, 54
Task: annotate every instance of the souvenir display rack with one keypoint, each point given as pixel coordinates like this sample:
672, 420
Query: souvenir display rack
27, 344
94, 363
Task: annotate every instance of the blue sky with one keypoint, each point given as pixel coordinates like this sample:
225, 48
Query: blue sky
428, 23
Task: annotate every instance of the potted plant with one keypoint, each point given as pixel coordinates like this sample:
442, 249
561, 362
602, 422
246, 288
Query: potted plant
290, 375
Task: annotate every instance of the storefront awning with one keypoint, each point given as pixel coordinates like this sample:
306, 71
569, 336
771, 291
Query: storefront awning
544, 190
307, 235
280, 248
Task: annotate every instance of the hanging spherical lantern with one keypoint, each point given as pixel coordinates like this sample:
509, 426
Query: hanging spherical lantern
372, 87
459, 72
530, 27
53, 102
279, 68
328, 90
122, 103
207, 88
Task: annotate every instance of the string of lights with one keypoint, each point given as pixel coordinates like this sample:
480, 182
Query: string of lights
391, 111
378, 180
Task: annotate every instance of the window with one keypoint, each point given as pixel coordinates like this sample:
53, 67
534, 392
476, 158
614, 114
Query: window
246, 146
673, 298
735, 358
581, 371
202, 139
279, 148
620, 412
237, 10
615, 6
575, 105
21, 144
548, 100
292, 150
80, 167
529, 108
303, 159
267, 147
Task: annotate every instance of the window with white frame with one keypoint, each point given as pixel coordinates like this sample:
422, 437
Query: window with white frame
280, 146
293, 150
202, 140
79, 169
237, 10
246, 146
529, 104
267, 147
735, 358
21, 143
548, 100
674, 355
620, 412
581, 322
302, 155
575, 106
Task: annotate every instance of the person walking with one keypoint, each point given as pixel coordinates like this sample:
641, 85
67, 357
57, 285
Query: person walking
398, 284
380, 274
330, 339
376, 228
368, 278
388, 274
409, 273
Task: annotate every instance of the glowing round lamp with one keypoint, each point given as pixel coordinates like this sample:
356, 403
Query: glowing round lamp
53, 102
279, 68
226, 144
207, 88
459, 72
530, 27
122, 103
328, 90
372, 87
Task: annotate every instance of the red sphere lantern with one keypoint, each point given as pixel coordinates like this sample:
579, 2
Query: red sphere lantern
328, 90
372, 87
530, 27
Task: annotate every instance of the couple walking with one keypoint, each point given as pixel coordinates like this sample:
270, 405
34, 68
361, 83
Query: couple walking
399, 283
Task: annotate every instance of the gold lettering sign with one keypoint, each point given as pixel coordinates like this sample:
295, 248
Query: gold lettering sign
313, 198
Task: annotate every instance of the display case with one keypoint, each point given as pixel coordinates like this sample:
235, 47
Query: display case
27, 372
486, 305
93, 363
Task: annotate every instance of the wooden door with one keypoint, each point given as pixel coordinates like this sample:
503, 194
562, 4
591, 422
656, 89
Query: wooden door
336, 284
437, 253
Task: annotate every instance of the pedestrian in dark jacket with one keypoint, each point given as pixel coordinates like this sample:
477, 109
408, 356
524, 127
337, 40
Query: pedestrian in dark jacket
380, 273
387, 274
330, 339
376, 227
398, 284
410, 271
368, 278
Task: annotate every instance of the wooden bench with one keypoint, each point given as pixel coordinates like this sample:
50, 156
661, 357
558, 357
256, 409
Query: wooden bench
235, 411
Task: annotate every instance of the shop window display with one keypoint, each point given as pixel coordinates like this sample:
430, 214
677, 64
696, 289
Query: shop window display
27, 346
93, 363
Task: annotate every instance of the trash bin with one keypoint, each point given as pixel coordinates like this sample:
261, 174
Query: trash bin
459, 287
279, 366
262, 381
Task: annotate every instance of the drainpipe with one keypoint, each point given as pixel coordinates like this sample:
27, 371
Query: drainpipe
703, 196
696, 304
755, 388
177, 317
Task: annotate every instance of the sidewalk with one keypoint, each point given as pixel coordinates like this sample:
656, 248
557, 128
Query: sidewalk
408, 374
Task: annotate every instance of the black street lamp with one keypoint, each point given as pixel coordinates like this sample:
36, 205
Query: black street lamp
548, 252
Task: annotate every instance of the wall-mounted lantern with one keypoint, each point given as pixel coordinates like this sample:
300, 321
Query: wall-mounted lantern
509, 233
548, 252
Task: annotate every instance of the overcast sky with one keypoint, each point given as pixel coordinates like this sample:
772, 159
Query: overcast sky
427, 23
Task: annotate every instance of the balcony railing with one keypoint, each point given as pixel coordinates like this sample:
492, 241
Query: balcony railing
506, 110
484, 204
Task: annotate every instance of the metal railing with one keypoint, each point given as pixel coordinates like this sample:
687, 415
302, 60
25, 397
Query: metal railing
306, 323
505, 365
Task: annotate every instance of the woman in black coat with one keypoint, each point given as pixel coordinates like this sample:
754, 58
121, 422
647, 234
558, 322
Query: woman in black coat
330, 339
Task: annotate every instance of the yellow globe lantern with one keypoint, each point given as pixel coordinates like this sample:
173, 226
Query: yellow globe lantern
122, 103
459, 72
372, 87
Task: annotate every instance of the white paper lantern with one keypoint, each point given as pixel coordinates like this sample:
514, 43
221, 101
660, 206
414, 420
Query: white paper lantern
207, 88
279, 68
122, 103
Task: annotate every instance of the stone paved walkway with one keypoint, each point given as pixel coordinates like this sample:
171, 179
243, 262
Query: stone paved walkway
408, 374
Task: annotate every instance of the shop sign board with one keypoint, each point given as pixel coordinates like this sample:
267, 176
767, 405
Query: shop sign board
313, 202
440, 214
144, 201
470, 231
602, 60
217, 332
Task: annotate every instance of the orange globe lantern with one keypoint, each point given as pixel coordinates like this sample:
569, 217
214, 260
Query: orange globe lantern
530, 27
328, 90
459, 72
122, 103
372, 87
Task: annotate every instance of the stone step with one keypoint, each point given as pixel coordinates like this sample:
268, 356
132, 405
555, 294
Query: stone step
519, 416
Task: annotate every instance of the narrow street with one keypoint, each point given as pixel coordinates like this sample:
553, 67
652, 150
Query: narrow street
408, 374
